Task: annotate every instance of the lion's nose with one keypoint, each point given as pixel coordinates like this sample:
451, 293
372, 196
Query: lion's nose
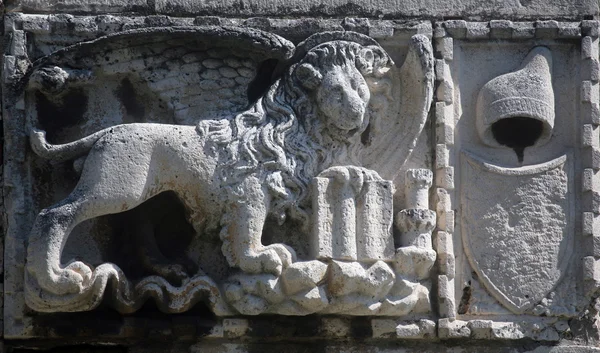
355, 106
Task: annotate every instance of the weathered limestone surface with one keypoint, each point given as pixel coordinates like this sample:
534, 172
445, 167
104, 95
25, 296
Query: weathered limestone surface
406, 8
338, 177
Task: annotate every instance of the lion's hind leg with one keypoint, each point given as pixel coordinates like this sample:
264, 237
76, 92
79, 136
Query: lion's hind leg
47, 239
53, 225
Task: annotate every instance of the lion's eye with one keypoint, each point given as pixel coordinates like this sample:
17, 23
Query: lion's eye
353, 84
337, 92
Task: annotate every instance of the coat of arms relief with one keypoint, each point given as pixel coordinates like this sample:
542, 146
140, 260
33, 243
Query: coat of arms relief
515, 225
176, 172
282, 160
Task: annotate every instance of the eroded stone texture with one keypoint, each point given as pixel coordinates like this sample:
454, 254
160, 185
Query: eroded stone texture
256, 184
528, 220
412, 8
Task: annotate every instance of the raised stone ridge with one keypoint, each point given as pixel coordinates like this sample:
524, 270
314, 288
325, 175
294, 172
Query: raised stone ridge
467, 9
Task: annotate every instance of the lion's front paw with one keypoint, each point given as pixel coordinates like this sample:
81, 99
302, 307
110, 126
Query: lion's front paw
285, 253
371, 175
352, 175
270, 259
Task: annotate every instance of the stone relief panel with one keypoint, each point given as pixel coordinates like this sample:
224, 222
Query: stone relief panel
174, 168
505, 125
228, 168
516, 110
507, 130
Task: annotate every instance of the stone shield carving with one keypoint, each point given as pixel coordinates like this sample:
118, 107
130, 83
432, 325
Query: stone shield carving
515, 227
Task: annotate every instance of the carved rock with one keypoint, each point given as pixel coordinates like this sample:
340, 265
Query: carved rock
303, 275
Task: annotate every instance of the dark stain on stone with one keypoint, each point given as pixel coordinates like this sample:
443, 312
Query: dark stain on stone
100, 322
59, 113
77, 349
1, 144
465, 300
284, 327
347, 9
127, 94
288, 347
361, 328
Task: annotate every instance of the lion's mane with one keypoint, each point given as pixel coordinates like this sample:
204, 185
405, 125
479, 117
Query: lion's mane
281, 138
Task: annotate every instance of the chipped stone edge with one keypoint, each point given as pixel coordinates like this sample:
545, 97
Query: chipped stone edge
444, 172
549, 330
15, 63
590, 145
546, 330
404, 329
339, 328
505, 29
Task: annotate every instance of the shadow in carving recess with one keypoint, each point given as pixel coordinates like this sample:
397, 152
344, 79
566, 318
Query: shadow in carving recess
263, 80
465, 300
147, 325
152, 237
58, 113
129, 97
517, 133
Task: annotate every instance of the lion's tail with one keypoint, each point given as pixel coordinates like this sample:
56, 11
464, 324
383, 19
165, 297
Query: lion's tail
65, 152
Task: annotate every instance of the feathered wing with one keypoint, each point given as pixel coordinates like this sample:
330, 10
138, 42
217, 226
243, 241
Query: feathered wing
397, 123
192, 73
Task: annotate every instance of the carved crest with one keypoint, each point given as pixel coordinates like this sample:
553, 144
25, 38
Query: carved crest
515, 227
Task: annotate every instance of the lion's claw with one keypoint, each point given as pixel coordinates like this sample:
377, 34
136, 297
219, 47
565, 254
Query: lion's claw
355, 176
270, 259
73, 278
286, 254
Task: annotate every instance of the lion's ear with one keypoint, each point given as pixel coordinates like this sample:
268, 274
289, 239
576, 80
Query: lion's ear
309, 77
365, 60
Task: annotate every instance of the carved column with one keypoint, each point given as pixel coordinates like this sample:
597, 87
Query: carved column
417, 221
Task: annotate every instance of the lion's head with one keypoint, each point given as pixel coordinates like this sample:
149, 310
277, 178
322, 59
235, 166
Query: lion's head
311, 118
335, 74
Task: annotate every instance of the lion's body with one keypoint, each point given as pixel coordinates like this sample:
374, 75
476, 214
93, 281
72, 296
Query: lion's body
232, 172
134, 162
